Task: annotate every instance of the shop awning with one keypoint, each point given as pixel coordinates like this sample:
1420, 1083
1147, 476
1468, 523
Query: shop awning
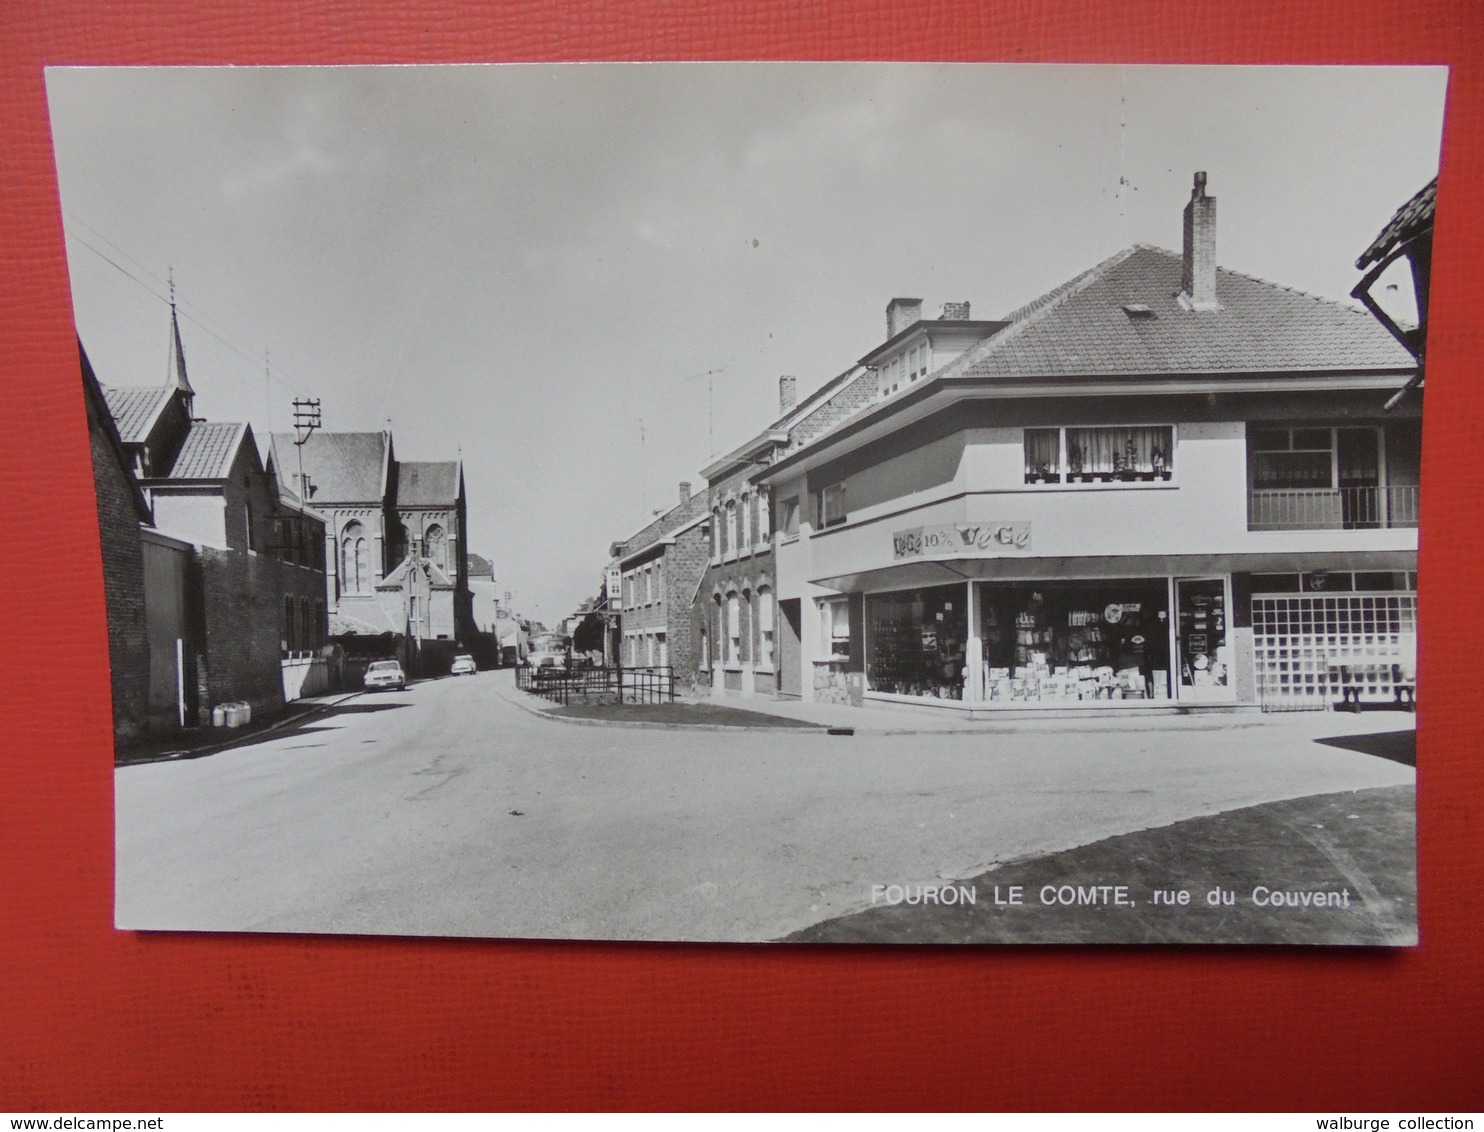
940, 571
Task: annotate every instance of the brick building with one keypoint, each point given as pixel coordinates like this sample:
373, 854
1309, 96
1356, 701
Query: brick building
122, 513
749, 639
226, 587
660, 567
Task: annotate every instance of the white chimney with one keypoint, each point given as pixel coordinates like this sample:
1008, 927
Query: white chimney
788, 393
1198, 271
900, 314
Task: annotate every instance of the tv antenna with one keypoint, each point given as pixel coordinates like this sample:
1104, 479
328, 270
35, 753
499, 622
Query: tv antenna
710, 376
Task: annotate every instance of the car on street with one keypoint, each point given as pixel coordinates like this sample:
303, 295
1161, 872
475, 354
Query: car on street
463, 665
385, 674
544, 665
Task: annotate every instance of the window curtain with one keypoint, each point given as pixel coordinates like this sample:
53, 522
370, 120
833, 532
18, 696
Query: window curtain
1042, 452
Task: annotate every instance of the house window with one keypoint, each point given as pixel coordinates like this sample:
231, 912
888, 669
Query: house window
648, 584
734, 629
732, 540
716, 534
835, 626
832, 505
1292, 458
659, 582
764, 517
765, 627
288, 624
664, 650
788, 521
745, 519
1139, 453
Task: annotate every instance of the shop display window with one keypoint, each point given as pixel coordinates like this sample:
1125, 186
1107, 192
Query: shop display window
1067, 642
1205, 658
916, 642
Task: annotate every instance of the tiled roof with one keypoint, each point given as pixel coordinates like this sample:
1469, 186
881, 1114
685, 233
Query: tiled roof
134, 410
343, 467
480, 566
1123, 318
208, 451
667, 524
422, 484
1412, 218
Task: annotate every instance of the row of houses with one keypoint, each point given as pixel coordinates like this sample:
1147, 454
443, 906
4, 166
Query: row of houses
1163, 483
233, 579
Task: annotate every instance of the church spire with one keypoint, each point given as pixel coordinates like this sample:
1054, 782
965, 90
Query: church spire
177, 366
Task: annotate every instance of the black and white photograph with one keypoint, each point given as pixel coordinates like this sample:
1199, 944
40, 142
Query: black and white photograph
759, 502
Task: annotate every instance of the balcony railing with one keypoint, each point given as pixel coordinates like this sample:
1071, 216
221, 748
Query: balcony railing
1332, 509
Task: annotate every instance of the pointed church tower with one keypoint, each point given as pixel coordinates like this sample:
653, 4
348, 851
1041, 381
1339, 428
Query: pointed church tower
177, 366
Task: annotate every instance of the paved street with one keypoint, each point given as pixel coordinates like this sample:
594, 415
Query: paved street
447, 809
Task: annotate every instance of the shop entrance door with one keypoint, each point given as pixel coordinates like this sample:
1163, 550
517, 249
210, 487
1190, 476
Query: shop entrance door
1204, 662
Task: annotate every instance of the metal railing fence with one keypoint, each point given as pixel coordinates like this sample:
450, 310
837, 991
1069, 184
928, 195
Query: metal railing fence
1344, 508
648, 685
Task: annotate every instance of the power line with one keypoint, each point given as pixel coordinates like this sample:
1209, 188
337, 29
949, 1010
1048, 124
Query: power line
143, 269
290, 385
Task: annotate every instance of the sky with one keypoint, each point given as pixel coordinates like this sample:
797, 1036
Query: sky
529, 267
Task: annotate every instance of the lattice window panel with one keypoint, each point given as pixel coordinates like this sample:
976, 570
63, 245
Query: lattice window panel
1298, 641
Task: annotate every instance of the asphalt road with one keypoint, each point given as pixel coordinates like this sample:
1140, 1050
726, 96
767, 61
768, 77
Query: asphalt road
448, 810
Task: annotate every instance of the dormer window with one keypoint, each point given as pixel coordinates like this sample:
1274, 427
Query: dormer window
1137, 312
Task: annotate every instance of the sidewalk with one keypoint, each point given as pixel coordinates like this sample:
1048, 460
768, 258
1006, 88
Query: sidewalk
877, 719
880, 719
193, 742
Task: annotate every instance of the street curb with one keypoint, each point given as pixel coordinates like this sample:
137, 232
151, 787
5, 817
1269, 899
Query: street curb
217, 748
549, 714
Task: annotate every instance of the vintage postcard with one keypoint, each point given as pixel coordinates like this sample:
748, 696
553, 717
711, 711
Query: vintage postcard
871, 503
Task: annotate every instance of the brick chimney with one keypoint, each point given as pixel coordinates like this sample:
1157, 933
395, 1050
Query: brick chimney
1198, 272
788, 393
685, 491
900, 314
955, 311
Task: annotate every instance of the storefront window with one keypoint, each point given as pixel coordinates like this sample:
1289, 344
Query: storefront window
1075, 641
1205, 659
916, 642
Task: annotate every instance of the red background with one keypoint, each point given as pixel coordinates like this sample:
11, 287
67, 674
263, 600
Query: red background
93, 1019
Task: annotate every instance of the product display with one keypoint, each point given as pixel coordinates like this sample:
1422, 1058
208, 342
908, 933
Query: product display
1074, 641
1205, 661
915, 642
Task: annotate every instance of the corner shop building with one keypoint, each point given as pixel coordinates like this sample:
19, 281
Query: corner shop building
1163, 484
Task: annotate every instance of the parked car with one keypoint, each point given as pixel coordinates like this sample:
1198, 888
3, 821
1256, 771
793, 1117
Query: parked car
463, 665
385, 674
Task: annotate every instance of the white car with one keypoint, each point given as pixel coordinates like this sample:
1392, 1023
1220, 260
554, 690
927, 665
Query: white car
385, 674
463, 665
